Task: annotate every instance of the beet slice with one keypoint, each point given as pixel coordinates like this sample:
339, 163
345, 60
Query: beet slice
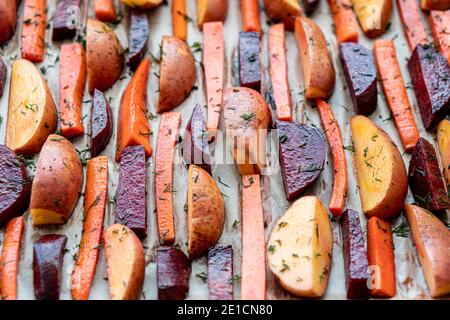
3, 74
425, 178
250, 60
195, 145
355, 256
131, 209
101, 123
173, 271
430, 77
302, 156
67, 15
139, 30
220, 273
310, 6
15, 186
48, 256
361, 75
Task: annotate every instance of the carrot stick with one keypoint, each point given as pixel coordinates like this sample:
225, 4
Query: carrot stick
9, 261
33, 30
412, 25
94, 211
253, 275
395, 93
213, 61
381, 258
105, 10
344, 20
340, 183
165, 149
72, 79
133, 128
278, 71
250, 15
179, 22
440, 27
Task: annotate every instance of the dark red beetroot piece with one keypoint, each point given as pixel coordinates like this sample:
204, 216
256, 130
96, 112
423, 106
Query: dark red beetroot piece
101, 123
131, 209
430, 77
173, 271
139, 31
195, 146
361, 75
302, 156
310, 6
355, 256
48, 256
425, 178
3, 73
250, 60
15, 186
67, 15
220, 273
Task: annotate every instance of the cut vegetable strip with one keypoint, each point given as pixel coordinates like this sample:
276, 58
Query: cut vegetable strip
94, 211
443, 138
440, 27
380, 250
179, 20
105, 10
278, 71
213, 61
395, 93
344, 20
250, 15
250, 60
220, 273
9, 261
253, 275
412, 24
33, 30
72, 79
165, 149
340, 183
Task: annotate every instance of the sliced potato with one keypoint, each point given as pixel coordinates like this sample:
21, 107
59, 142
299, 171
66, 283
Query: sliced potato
300, 247
443, 138
435, 4
373, 16
283, 10
142, 4
381, 172
31, 109
211, 11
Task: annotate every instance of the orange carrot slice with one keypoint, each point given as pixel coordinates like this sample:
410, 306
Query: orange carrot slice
33, 30
440, 27
133, 128
105, 10
250, 15
395, 93
94, 211
253, 275
179, 22
278, 71
213, 61
340, 183
412, 25
165, 149
344, 20
9, 261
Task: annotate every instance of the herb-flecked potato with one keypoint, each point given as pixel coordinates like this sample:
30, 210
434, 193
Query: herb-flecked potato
211, 11
142, 4
373, 16
283, 10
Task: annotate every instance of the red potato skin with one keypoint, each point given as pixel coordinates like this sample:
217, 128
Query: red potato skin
173, 271
8, 22
101, 123
250, 60
3, 74
220, 273
139, 30
64, 21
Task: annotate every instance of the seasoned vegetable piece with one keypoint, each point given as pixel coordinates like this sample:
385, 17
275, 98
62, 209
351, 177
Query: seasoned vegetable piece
101, 123
173, 271
139, 30
3, 74
131, 209
443, 138
142, 4
412, 24
284, 11
302, 156
373, 16
48, 257
179, 20
125, 262
435, 4
440, 27
8, 23
33, 30
250, 60
425, 178
15, 186
310, 5
57, 183
105, 10
355, 256
430, 72
359, 68
299, 249
250, 16
67, 14
344, 20
220, 273
211, 11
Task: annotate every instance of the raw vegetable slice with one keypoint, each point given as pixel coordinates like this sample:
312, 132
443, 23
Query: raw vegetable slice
33, 30
220, 273
412, 24
344, 20
101, 123
440, 27
173, 271
250, 16
250, 60
139, 30
65, 19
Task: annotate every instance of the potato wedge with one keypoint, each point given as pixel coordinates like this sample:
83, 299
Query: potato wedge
432, 240
211, 11
104, 56
142, 4
8, 22
246, 116
177, 73
125, 262
380, 170
435, 4
443, 138
205, 212
300, 248
31, 109
373, 16
283, 10
57, 183
318, 71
